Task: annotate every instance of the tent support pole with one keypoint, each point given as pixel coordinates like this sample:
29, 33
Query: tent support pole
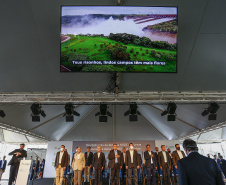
177, 118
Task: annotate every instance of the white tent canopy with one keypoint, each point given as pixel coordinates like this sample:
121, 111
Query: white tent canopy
150, 125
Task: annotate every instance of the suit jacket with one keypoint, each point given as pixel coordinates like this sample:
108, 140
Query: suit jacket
19, 157
64, 161
148, 158
111, 157
223, 164
140, 159
135, 159
176, 157
196, 169
98, 163
37, 166
80, 161
4, 165
89, 159
162, 161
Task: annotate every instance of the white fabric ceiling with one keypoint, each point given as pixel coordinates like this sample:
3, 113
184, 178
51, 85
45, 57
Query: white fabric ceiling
150, 125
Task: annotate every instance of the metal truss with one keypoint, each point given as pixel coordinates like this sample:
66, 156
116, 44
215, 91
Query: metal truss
23, 132
121, 97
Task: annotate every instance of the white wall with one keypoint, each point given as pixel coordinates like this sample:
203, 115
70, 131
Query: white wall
52, 149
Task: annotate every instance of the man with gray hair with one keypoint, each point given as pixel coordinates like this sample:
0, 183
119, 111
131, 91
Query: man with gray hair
196, 169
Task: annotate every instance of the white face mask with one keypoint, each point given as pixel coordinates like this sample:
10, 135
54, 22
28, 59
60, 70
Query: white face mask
61, 149
76, 150
131, 147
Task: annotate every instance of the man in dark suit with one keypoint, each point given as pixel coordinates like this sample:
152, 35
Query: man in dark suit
89, 160
177, 155
98, 165
151, 165
115, 161
165, 164
140, 165
18, 155
61, 162
157, 158
123, 171
3, 163
223, 165
132, 164
196, 169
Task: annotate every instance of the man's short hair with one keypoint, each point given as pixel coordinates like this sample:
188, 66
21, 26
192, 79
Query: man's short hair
176, 145
63, 146
124, 148
162, 146
114, 144
215, 155
89, 147
22, 144
130, 144
147, 145
190, 145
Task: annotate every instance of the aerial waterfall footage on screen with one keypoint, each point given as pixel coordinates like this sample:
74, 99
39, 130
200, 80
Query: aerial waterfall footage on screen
118, 39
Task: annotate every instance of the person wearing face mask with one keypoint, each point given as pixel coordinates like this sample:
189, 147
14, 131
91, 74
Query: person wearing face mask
196, 169
165, 164
61, 162
177, 155
78, 164
98, 165
132, 164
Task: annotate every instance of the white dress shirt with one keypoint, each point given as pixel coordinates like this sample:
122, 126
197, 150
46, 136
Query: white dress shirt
60, 158
131, 155
164, 155
180, 154
124, 157
98, 154
151, 157
78, 155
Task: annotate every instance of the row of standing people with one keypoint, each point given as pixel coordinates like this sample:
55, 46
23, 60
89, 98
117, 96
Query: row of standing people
129, 161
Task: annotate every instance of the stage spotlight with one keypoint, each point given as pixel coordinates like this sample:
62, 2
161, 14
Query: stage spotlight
2, 113
164, 113
103, 113
170, 112
211, 111
132, 112
36, 111
70, 112
171, 117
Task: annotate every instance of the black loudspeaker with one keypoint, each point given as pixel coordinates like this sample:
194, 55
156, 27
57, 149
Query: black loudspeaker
212, 117
69, 118
133, 117
171, 117
35, 118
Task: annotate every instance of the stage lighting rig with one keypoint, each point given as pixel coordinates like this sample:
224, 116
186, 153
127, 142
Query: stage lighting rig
2, 113
70, 112
103, 113
211, 111
170, 112
36, 111
132, 112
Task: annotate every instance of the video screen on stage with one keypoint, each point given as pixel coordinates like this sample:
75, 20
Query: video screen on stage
118, 39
